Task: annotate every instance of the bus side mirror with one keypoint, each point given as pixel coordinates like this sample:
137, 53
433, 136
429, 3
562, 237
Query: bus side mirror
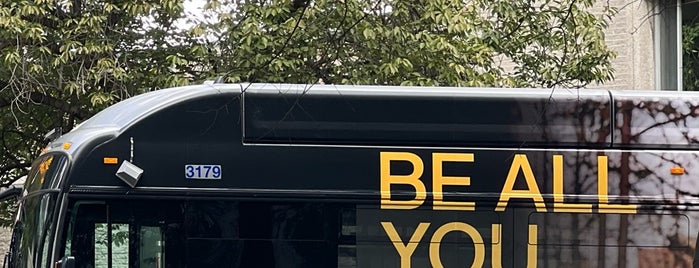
11, 192
66, 262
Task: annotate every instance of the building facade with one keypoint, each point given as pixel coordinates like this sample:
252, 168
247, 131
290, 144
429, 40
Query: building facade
657, 44
630, 35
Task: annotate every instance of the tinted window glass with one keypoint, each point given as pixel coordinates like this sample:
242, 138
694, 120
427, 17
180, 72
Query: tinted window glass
211, 234
45, 172
35, 225
658, 120
465, 117
36, 211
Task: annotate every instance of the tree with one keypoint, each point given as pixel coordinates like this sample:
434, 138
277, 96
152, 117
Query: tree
64, 60
690, 53
446, 42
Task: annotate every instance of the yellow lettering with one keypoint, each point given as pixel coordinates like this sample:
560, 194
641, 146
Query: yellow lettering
520, 162
405, 251
602, 192
479, 248
440, 180
531, 248
413, 179
497, 246
559, 204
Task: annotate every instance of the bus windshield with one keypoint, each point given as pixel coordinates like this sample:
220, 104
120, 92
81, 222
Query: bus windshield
30, 245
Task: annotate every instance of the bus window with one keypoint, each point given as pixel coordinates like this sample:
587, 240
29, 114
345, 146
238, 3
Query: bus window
347, 246
31, 238
111, 240
99, 239
149, 233
151, 247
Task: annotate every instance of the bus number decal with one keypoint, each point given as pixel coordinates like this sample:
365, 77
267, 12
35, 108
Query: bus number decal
211, 172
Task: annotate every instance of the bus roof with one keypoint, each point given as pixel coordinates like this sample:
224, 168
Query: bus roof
207, 123
117, 118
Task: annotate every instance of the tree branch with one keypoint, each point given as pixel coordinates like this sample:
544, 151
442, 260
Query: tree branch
52, 102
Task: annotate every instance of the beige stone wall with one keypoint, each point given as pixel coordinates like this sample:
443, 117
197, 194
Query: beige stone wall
630, 35
5, 236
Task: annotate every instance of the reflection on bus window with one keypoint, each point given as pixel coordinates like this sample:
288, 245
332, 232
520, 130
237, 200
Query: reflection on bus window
31, 247
212, 234
119, 245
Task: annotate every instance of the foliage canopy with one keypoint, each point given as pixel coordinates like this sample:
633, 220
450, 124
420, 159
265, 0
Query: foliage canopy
61, 61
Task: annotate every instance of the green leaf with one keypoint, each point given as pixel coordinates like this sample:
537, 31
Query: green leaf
369, 33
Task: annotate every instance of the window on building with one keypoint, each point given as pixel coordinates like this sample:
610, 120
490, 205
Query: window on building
676, 37
690, 45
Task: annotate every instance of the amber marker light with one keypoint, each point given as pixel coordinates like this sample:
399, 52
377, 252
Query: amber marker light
67, 145
111, 160
677, 171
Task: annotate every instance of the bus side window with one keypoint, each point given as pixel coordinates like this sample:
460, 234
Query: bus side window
119, 245
347, 244
147, 250
81, 235
151, 247
93, 235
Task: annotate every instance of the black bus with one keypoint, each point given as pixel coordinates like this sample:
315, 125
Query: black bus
281, 175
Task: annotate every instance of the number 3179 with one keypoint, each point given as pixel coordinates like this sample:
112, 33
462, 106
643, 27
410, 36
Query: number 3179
202, 172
